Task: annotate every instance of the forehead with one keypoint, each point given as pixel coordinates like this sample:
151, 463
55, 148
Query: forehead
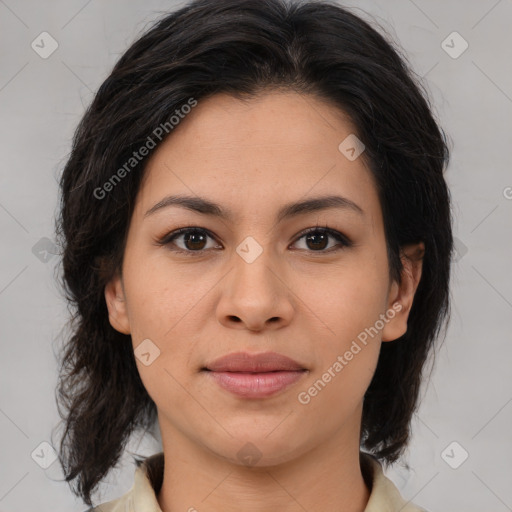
272, 149
274, 118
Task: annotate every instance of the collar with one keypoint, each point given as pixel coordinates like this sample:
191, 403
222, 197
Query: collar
142, 497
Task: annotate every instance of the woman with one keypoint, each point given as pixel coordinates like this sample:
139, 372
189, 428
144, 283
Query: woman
256, 236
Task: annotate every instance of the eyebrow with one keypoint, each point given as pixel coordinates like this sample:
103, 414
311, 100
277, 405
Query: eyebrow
206, 207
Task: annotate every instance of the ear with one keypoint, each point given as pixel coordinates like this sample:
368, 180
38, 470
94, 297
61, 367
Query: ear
116, 304
401, 296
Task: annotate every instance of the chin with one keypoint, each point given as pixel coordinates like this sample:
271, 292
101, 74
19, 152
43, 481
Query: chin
250, 448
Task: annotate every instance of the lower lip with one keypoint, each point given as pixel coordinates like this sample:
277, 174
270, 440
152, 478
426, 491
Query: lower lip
256, 385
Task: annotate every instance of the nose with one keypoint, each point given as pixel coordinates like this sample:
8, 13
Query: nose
255, 296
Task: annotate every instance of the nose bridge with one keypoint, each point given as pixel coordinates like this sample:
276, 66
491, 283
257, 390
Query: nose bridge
255, 265
255, 293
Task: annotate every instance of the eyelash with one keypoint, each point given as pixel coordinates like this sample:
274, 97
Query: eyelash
168, 239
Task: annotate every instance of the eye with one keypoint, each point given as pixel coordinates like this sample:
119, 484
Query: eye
316, 239
193, 239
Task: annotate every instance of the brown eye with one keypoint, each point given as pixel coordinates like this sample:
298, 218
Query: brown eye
194, 240
188, 240
317, 239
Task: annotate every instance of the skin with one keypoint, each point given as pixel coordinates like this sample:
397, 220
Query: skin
306, 301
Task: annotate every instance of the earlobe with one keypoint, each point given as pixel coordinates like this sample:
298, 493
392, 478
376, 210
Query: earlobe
401, 295
116, 305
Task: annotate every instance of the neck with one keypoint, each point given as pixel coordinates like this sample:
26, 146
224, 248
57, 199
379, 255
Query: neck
325, 478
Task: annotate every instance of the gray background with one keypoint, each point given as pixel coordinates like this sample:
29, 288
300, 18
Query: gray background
469, 398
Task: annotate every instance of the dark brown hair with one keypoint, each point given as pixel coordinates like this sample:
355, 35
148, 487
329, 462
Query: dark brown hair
244, 47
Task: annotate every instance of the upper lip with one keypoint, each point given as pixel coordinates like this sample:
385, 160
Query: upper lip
256, 363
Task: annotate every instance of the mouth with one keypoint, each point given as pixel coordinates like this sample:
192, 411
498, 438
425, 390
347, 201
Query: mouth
254, 375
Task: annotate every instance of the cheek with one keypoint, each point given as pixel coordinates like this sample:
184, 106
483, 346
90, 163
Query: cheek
160, 294
348, 299
347, 346
338, 389
345, 306
161, 309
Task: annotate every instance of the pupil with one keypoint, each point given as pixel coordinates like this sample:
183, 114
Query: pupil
190, 240
313, 236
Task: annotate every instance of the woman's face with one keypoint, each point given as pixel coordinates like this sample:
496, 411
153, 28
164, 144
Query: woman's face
251, 281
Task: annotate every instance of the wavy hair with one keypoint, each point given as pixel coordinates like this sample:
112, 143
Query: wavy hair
243, 48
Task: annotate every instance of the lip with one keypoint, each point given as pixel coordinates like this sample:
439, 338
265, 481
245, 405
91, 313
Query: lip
255, 375
246, 362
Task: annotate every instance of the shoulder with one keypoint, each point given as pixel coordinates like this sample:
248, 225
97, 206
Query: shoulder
122, 504
147, 481
384, 495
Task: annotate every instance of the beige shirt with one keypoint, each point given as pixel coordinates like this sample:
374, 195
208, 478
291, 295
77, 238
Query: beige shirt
384, 496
